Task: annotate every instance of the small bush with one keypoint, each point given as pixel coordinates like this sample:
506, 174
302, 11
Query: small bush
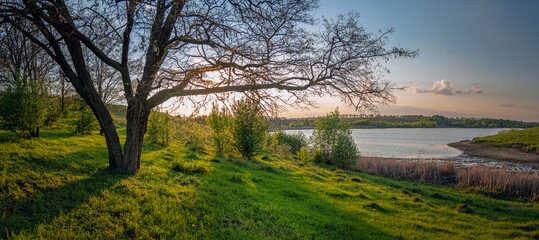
304, 155
248, 128
344, 153
295, 141
318, 157
86, 121
281, 150
218, 121
327, 131
159, 128
333, 138
22, 105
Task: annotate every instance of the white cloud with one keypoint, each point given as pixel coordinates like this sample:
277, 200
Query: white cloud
446, 88
442, 87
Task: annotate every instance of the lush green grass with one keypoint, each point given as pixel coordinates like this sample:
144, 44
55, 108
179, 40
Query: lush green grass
527, 139
58, 187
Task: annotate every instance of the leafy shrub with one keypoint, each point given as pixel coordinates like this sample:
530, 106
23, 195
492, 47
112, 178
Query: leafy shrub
344, 153
22, 107
159, 128
318, 157
304, 155
85, 122
282, 150
333, 139
218, 120
248, 128
53, 112
295, 141
327, 131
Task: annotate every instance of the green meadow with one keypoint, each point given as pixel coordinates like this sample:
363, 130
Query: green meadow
59, 187
526, 139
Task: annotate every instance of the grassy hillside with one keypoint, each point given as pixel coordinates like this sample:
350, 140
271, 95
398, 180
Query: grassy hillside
527, 139
58, 187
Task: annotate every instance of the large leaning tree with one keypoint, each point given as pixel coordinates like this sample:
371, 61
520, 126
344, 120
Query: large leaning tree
164, 49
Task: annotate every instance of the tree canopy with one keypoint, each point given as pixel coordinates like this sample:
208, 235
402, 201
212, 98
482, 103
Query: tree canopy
274, 51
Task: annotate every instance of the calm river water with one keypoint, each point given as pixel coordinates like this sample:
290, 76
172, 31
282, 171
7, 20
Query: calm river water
426, 143
422, 144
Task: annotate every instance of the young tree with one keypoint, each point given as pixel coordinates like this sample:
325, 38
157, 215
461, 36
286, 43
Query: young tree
159, 128
218, 120
23, 75
85, 122
333, 138
198, 48
22, 108
248, 128
344, 153
327, 131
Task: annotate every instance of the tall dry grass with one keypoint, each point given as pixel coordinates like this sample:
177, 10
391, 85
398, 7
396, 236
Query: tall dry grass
516, 184
496, 181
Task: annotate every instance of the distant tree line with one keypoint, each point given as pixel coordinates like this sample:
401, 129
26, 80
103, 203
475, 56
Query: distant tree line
408, 121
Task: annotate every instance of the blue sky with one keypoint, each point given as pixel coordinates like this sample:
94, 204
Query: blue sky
477, 58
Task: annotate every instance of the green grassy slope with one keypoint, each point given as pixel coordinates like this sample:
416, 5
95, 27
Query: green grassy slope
527, 139
58, 187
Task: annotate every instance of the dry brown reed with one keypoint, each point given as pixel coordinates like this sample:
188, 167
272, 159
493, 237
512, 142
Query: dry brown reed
494, 180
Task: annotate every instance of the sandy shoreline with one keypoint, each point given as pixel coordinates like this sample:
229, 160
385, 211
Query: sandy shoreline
484, 150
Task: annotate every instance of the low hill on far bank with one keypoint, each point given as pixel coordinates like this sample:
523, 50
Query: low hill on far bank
527, 139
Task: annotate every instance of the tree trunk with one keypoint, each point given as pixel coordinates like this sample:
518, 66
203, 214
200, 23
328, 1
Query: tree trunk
137, 120
109, 129
113, 143
62, 101
82, 82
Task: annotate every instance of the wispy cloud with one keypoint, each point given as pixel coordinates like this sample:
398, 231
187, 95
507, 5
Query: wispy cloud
475, 89
446, 88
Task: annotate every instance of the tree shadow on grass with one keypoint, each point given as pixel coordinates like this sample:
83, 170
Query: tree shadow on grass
7, 136
46, 204
268, 203
57, 134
